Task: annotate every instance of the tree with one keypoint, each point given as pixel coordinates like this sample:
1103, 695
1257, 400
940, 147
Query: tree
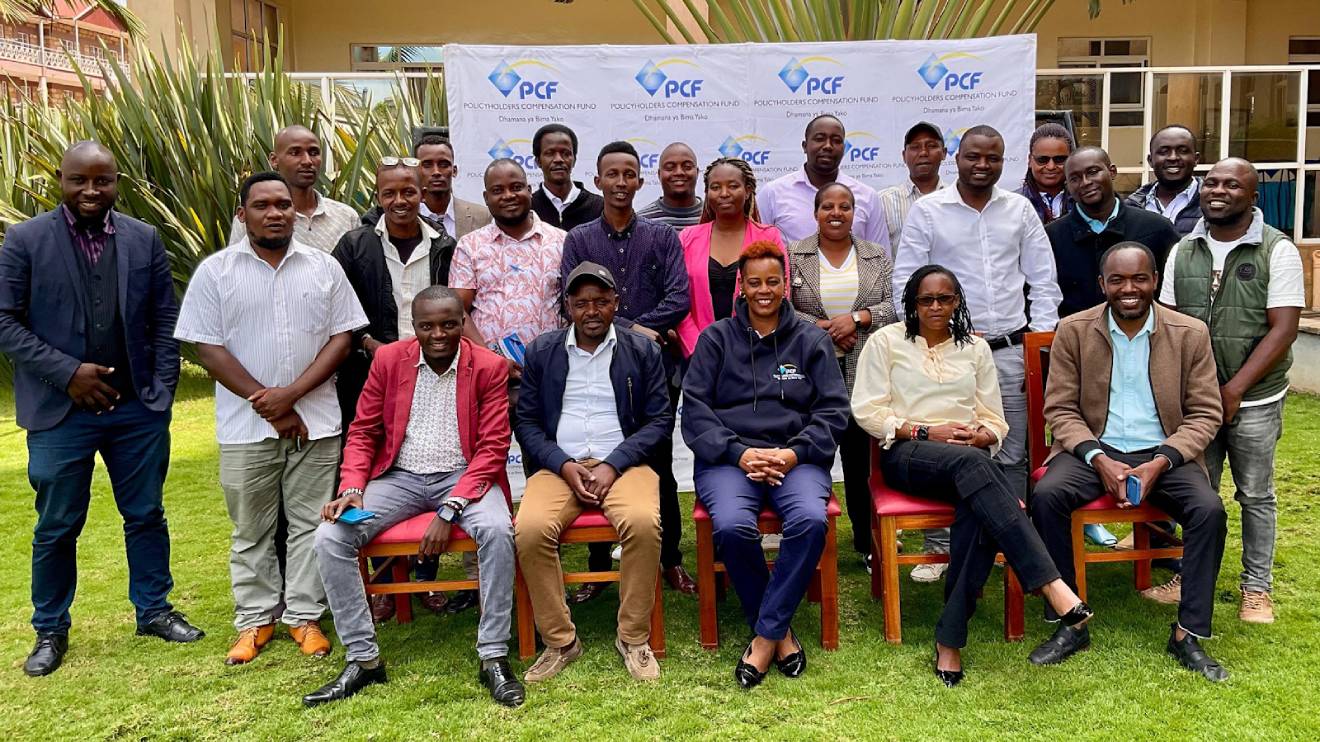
18, 10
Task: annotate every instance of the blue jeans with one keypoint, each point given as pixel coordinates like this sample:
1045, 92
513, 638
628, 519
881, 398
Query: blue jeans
1248, 442
134, 443
769, 600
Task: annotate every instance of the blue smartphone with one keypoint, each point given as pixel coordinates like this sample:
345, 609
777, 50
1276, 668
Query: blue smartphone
1134, 489
353, 516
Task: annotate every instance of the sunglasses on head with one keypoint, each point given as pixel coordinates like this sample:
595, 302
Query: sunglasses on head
397, 161
1044, 159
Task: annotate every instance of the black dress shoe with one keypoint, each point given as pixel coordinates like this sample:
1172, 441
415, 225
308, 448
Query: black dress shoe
745, 673
1078, 615
1065, 642
354, 678
795, 664
504, 686
1190, 655
47, 655
950, 678
172, 627
588, 592
461, 601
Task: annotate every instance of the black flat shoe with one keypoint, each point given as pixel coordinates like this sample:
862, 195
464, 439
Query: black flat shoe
172, 627
745, 673
504, 686
461, 601
354, 678
950, 678
795, 664
1065, 642
47, 655
1190, 655
1079, 614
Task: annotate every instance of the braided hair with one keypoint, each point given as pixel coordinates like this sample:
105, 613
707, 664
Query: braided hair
749, 184
960, 324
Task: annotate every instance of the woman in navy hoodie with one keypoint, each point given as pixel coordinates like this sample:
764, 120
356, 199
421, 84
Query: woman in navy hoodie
764, 404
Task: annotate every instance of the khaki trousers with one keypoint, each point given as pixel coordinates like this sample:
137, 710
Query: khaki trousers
632, 507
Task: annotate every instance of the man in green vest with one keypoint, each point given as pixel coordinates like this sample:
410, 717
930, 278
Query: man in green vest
1243, 278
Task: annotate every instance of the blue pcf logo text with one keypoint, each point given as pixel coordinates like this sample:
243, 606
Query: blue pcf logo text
654, 79
936, 73
741, 147
797, 77
507, 79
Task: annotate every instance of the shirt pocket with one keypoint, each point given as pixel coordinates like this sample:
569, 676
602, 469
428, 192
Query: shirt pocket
313, 310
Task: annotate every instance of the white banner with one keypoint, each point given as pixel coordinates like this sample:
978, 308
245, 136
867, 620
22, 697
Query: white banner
741, 100
737, 100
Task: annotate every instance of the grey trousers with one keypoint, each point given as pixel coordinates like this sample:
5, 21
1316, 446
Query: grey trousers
260, 479
396, 496
1012, 369
1248, 441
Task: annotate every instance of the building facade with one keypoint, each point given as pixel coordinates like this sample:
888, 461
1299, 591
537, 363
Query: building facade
37, 53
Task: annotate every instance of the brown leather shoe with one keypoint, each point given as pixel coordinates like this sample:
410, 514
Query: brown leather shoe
588, 592
434, 602
249, 644
382, 608
311, 639
679, 579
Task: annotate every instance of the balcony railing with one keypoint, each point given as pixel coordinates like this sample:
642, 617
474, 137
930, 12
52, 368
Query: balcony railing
55, 57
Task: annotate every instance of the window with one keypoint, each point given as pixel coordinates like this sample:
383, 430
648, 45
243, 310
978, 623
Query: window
252, 22
1306, 50
387, 58
1127, 89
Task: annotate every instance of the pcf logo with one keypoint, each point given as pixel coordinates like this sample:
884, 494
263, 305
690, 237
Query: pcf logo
796, 77
654, 80
506, 79
734, 147
953, 138
863, 150
518, 150
934, 71
648, 154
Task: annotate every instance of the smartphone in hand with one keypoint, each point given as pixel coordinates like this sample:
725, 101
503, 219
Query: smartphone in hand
353, 516
1134, 489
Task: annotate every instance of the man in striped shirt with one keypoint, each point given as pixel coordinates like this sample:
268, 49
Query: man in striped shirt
272, 319
923, 153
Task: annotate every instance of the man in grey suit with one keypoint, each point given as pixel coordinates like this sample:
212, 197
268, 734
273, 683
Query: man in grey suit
439, 204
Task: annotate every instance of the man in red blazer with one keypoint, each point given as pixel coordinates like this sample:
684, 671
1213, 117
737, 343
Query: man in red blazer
431, 435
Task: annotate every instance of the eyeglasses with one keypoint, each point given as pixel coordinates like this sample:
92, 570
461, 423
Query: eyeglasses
1046, 159
943, 299
397, 161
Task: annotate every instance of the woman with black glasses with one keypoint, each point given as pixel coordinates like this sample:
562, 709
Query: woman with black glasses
927, 389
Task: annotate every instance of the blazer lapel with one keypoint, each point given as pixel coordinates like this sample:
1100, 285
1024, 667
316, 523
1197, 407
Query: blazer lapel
806, 276
465, 400
403, 400
122, 247
871, 276
63, 245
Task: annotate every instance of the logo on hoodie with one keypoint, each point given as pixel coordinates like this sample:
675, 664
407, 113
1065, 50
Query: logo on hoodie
788, 372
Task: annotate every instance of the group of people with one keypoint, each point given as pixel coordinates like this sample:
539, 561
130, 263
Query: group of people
383, 363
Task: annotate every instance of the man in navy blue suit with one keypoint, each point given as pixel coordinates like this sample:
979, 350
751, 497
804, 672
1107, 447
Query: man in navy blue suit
87, 314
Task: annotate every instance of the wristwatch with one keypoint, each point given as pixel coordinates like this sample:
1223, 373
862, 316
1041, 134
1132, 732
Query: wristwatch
447, 512
857, 319
352, 491
923, 432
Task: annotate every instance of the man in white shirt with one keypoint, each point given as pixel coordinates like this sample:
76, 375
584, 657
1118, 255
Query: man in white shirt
994, 242
272, 319
923, 153
435, 156
789, 202
1225, 272
319, 221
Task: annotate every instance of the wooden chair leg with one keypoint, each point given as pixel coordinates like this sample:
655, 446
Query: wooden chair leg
1079, 555
829, 589
526, 620
888, 565
1015, 609
402, 601
362, 570
658, 619
1141, 567
706, 586
813, 587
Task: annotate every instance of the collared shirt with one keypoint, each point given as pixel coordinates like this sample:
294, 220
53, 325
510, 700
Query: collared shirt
1134, 420
430, 442
1055, 202
646, 260
407, 279
516, 280
789, 203
904, 382
1098, 226
896, 202
1178, 203
562, 203
274, 321
995, 253
589, 424
92, 240
446, 219
329, 221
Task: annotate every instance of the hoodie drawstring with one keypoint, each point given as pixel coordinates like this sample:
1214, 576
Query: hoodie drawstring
751, 360
779, 367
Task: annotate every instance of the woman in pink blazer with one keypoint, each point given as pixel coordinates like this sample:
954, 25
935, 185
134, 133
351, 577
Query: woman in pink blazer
711, 248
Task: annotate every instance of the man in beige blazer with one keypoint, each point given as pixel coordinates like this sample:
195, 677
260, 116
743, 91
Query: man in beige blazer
1145, 410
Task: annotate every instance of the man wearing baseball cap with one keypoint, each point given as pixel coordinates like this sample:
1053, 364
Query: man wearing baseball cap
593, 407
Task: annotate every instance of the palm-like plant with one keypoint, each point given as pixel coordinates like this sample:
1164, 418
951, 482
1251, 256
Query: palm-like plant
17, 10
846, 20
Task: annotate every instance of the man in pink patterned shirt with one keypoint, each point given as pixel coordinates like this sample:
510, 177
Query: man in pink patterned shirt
507, 272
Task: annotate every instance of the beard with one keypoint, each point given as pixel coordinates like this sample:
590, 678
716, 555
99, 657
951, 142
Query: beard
512, 221
273, 243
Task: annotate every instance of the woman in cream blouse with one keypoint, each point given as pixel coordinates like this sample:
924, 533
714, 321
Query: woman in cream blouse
926, 388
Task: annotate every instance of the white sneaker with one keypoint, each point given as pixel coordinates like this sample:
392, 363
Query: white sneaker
617, 553
770, 541
929, 572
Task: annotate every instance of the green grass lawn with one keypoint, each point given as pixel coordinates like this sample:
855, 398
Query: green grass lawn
117, 686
